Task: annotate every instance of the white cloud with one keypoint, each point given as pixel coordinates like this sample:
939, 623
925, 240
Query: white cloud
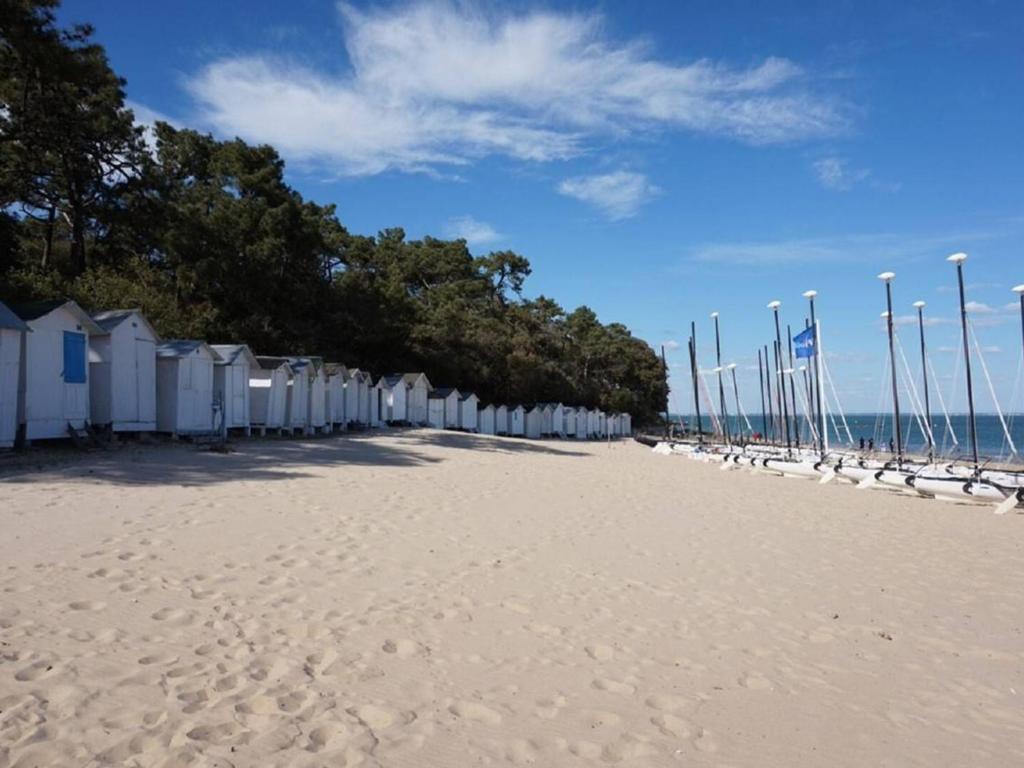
978, 308
472, 231
670, 344
147, 118
619, 194
881, 247
836, 173
437, 83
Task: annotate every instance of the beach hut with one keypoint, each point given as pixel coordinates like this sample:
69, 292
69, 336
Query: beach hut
602, 424
485, 420
390, 396
231, 373
337, 399
533, 424
552, 422
517, 421
569, 422
468, 406
443, 407
269, 383
299, 390
501, 420
592, 422
11, 329
317, 395
122, 372
627, 425
53, 381
184, 387
582, 416
365, 397
417, 391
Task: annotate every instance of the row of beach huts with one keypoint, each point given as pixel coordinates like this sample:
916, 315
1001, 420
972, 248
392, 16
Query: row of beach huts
64, 371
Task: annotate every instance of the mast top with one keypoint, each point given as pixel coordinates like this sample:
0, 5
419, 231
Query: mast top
1018, 288
957, 258
774, 304
714, 314
887, 276
918, 305
730, 366
810, 294
884, 314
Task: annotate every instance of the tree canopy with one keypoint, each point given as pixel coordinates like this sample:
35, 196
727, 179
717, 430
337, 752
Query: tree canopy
208, 239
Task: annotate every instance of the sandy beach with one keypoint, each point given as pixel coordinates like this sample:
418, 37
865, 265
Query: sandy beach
431, 599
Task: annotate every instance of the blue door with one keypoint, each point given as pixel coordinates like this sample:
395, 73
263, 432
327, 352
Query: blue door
74, 357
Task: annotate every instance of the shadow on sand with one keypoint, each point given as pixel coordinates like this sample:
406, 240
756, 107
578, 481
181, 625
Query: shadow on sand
256, 460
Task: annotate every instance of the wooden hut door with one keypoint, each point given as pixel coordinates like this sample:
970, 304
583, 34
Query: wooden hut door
239, 387
76, 391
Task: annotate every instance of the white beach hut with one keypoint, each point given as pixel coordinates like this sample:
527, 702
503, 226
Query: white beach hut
501, 420
485, 420
582, 417
592, 422
232, 371
122, 372
417, 391
299, 390
468, 406
627, 425
53, 382
602, 424
517, 421
184, 387
337, 378
534, 422
269, 383
446, 414
390, 396
317, 395
552, 422
569, 422
11, 329
365, 399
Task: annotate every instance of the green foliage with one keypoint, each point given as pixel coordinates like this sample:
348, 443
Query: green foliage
209, 241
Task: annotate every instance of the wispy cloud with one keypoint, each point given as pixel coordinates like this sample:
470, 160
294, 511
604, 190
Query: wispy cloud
472, 231
147, 118
890, 247
620, 194
837, 173
670, 344
979, 308
440, 83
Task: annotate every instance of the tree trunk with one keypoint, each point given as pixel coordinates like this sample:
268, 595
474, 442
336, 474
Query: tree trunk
48, 238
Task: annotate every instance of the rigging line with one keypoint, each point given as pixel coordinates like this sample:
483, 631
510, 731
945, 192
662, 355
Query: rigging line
942, 404
992, 391
716, 427
922, 422
831, 415
839, 405
807, 415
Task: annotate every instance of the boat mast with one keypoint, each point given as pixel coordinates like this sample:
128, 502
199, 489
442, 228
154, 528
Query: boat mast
792, 387
959, 259
768, 386
919, 306
774, 307
817, 376
886, 277
721, 387
1019, 290
736, 395
760, 375
693, 370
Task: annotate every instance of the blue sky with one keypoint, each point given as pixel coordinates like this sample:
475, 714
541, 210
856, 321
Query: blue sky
654, 161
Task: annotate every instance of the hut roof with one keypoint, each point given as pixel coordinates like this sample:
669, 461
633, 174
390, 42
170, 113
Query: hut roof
229, 353
181, 348
468, 395
35, 309
10, 321
110, 319
443, 392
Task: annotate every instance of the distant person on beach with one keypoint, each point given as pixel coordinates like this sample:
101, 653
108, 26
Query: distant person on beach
892, 446
862, 443
871, 444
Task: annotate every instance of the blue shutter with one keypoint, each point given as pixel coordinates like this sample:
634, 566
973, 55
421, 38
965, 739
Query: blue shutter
74, 357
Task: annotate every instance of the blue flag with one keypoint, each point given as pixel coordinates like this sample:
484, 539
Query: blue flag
804, 343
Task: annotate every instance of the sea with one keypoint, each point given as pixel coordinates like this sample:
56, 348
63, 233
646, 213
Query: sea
951, 440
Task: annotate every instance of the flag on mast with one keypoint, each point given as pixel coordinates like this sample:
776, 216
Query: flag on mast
803, 343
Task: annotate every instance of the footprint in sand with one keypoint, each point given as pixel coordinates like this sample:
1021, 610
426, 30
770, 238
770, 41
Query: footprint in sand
401, 648
174, 616
613, 686
215, 734
548, 708
755, 682
600, 652
36, 671
666, 702
372, 716
471, 710
158, 658
670, 725
87, 605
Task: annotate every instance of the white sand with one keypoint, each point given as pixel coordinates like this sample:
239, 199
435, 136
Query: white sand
407, 601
